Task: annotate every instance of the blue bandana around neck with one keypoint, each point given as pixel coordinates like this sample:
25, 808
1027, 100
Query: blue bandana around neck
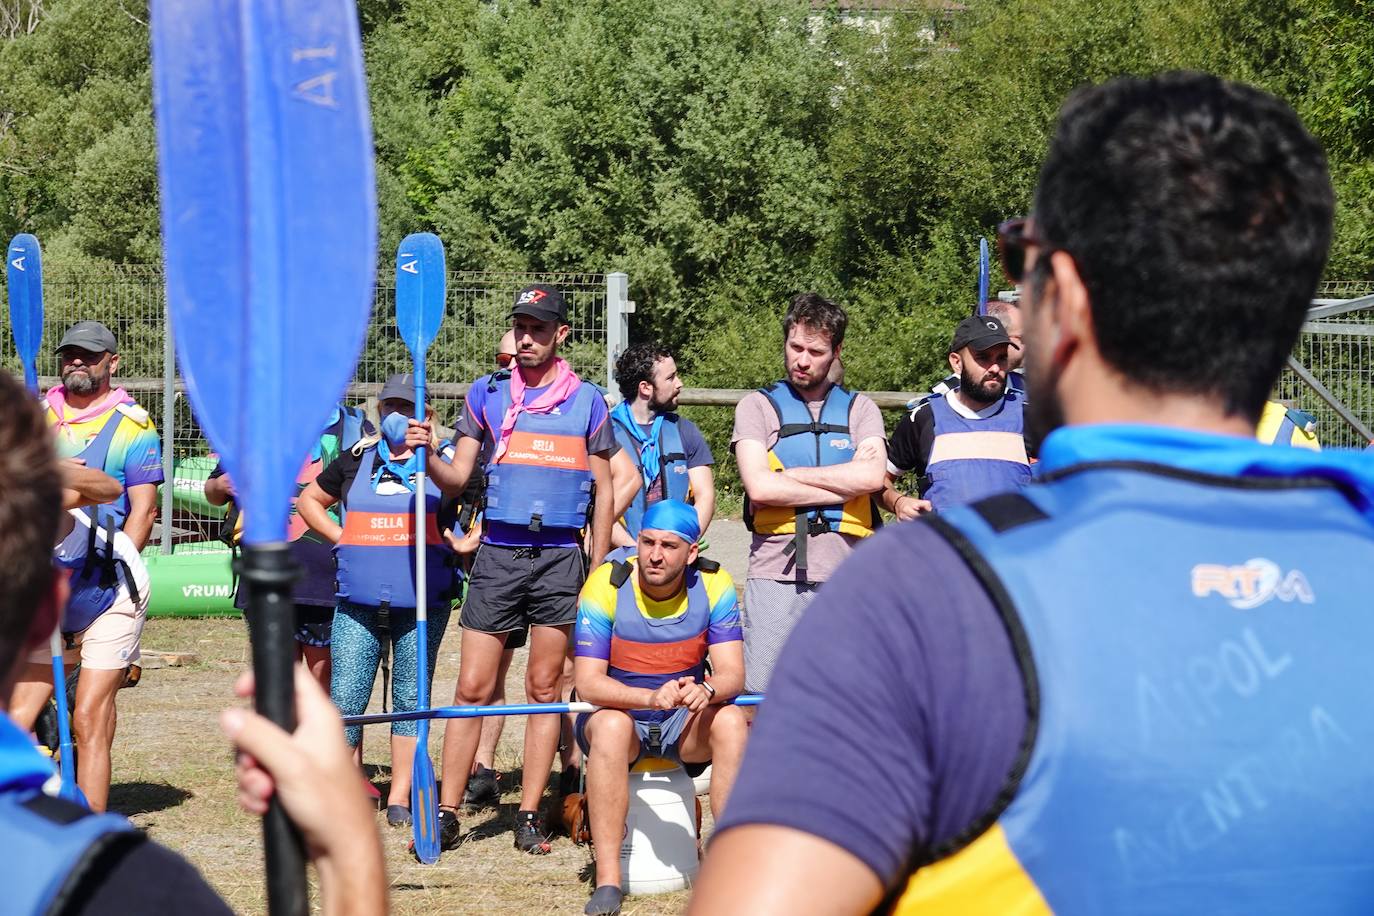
404, 471
21, 766
1209, 453
649, 460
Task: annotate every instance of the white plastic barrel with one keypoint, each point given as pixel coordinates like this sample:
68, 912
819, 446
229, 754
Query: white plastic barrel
660, 849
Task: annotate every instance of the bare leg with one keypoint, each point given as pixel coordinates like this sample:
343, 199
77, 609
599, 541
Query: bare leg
94, 723
613, 742
402, 759
717, 735
479, 662
30, 694
571, 753
543, 683
492, 726
317, 661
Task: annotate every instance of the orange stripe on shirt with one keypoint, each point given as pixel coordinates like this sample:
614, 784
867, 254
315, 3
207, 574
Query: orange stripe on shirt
657, 657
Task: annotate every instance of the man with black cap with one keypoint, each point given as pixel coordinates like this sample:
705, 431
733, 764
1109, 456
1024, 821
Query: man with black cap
104, 429
968, 442
542, 436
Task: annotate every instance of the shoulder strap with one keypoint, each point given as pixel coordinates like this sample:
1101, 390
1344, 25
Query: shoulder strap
620, 573
706, 566
133, 412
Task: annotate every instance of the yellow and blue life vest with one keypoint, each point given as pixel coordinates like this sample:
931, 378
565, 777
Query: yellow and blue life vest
1194, 650
804, 441
544, 479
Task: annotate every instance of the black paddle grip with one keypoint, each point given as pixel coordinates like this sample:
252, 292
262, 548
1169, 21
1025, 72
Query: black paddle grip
268, 572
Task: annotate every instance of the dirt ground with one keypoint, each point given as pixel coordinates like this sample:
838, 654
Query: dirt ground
173, 777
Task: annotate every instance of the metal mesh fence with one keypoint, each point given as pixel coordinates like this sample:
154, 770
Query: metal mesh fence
1337, 348
130, 301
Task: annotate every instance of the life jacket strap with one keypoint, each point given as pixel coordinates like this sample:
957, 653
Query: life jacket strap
620, 572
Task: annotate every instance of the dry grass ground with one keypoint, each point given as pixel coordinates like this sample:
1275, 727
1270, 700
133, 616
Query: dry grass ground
173, 778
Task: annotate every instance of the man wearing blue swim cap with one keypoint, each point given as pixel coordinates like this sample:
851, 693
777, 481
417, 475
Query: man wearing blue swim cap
645, 629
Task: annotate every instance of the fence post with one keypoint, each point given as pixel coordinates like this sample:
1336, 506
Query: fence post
618, 311
169, 393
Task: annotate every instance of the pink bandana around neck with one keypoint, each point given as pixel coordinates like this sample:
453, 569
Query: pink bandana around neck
57, 400
564, 384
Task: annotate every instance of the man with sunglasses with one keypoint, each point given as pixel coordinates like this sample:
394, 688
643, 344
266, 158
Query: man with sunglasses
1140, 683
969, 441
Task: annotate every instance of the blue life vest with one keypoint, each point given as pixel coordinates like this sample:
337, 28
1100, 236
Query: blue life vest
95, 581
376, 554
544, 479
671, 483
1195, 653
50, 843
971, 459
804, 441
649, 652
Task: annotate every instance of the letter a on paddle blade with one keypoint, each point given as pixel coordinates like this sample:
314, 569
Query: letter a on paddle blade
269, 232
420, 291
24, 276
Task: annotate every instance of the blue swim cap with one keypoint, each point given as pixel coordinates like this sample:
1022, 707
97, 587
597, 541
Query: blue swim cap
676, 516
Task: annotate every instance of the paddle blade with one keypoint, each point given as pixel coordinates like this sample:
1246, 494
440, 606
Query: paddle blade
984, 266
424, 802
24, 275
268, 223
420, 288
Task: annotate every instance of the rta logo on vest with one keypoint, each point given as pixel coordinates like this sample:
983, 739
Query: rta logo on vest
542, 445
842, 444
1252, 584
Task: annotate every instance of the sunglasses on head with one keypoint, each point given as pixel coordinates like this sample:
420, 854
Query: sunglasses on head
1013, 238
503, 360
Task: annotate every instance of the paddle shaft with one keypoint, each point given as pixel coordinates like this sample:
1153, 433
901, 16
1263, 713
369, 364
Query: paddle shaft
511, 709
64, 726
267, 572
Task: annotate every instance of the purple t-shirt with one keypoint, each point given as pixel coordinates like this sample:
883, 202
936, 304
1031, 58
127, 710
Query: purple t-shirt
472, 424
891, 723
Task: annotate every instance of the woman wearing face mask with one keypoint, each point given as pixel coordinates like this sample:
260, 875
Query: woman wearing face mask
375, 550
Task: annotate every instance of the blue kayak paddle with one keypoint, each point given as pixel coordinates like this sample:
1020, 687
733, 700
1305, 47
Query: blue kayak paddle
269, 230
24, 273
420, 288
984, 266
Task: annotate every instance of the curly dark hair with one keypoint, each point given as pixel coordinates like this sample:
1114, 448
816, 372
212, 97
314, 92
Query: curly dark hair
636, 365
817, 313
1198, 212
30, 506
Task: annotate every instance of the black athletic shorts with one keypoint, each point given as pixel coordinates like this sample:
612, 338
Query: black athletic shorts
512, 588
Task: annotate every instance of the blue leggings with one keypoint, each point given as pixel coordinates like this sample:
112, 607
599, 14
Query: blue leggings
356, 650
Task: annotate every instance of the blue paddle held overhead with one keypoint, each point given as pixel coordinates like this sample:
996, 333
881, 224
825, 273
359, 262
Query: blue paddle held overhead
984, 268
421, 285
268, 200
24, 278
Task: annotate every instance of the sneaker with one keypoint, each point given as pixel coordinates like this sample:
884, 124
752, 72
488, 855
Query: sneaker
483, 788
569, 780
605, 902
448, 828
397, 816
529, 834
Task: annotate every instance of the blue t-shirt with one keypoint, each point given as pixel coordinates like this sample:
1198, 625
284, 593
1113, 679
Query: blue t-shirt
472, 424
891, 723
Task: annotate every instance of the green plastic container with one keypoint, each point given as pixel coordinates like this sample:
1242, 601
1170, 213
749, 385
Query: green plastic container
194, 581
188, 486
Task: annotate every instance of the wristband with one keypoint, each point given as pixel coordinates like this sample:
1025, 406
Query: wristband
709, 689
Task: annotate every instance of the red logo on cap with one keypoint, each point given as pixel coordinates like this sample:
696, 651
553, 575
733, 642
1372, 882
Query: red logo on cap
530, 296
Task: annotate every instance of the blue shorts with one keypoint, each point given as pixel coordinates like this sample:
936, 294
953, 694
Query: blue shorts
669, 734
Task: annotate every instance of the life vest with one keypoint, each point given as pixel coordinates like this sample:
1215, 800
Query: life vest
971, 459
649, 652
544, 479
672, 481
811, 443
1291, 424
376, 553
1195, 655
96, 579
50, 844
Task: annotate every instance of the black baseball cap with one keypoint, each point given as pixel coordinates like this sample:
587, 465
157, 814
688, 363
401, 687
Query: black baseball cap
400, 386
90, 335
541, 301
979, 332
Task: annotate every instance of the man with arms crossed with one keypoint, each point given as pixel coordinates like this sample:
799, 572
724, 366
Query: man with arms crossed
810, 455
1020, 695
645, 629
545, 441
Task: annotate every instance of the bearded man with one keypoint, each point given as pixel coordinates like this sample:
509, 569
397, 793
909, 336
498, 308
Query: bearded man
968, 442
